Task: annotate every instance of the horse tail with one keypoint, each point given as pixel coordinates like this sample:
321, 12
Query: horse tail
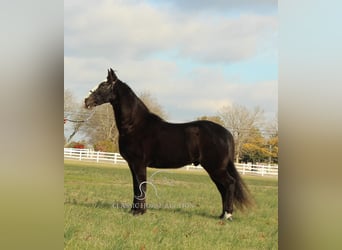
242, 196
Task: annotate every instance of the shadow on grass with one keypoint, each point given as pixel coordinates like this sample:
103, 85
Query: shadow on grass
99, 204
189, 212
121, 206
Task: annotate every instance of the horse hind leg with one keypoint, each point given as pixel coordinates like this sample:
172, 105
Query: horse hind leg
222, 191
226, 186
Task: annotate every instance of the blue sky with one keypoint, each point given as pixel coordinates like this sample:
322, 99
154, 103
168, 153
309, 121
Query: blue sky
193, 56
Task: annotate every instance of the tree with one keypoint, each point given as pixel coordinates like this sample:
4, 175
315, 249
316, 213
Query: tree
72, 111
255, 149
152, 104
216, 119
273, 149
105, 146
241, 122
68, 101
273, 139
100, 129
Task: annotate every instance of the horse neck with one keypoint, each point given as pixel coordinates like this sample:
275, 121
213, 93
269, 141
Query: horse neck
129, 110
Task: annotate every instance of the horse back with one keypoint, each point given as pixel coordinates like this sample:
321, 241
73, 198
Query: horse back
179, 144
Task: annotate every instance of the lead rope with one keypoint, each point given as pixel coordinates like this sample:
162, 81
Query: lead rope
85, 120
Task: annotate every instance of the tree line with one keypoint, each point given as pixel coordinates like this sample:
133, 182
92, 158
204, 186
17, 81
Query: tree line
256, 140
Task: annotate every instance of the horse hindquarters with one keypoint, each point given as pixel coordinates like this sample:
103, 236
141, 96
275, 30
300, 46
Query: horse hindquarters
217, 157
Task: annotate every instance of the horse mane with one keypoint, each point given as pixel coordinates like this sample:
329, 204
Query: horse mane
155, 117
130, 109
126, 90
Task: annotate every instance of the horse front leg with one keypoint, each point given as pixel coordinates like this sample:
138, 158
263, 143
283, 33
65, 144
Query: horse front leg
139, 189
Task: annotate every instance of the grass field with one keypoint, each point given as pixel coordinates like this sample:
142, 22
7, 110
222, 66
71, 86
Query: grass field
183, 211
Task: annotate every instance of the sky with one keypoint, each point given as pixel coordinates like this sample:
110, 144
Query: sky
193, 57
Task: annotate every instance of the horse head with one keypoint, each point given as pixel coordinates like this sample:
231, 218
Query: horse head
103, 92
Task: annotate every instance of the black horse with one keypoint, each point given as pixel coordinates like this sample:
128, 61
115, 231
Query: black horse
146, 140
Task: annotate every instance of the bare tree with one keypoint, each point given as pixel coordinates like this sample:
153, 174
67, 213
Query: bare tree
152, 104
273, 125
217, 119
273, 139
68, 101
241, 122
101, 125
72, 112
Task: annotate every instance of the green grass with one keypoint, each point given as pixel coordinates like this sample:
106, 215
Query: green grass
183, 213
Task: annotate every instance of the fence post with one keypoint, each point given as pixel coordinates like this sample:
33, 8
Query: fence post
80, 154
97, 156
262, 170
115, 158
243, 168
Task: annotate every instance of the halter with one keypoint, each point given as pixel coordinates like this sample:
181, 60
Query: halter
92, 113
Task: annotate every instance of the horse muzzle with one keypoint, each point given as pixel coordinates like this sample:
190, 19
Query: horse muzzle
89, 103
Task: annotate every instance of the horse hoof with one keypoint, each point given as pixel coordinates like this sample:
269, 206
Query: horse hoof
138, 212
227, 216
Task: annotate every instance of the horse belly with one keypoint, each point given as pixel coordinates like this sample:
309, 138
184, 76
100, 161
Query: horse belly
170, 155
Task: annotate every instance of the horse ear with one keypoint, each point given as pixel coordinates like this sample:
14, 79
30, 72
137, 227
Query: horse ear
109, 76
113, 74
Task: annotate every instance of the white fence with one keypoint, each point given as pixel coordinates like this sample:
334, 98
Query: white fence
250, 169
116, 158
91, 155
263, 170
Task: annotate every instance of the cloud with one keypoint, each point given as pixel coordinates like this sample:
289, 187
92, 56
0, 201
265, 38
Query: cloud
224, 5
153, 75
179, 57
226, 39
189, 5
121, 30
